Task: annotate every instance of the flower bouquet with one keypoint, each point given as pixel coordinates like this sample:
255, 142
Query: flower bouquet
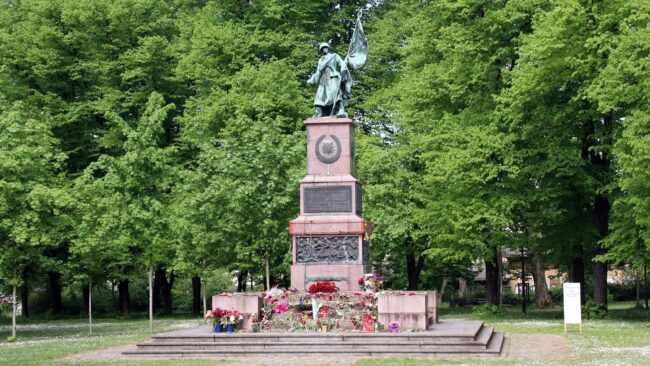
232, 318
371, 282
215, 318
323, 287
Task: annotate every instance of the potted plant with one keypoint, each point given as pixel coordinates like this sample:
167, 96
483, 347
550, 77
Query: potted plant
394, 327
327, 323
215, 318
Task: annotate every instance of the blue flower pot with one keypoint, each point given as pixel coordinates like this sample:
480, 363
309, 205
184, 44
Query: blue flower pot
230, 328
218, 328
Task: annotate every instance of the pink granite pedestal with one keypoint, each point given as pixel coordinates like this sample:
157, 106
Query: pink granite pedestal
413, 310
329, 238
248, 304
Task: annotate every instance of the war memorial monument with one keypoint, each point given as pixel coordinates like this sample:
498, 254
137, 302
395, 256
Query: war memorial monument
333, 305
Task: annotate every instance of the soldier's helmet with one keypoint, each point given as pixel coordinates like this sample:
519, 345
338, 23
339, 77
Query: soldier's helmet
323, 45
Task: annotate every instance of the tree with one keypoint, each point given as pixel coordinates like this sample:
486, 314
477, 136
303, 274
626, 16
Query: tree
128, 196
29, 194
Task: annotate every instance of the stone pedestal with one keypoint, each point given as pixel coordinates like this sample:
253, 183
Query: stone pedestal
248, 304
413, 310
329, 236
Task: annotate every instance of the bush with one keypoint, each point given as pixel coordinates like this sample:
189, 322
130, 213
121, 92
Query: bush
622, 292
5, 309
510, 297
487, 312
592, 310
557, 295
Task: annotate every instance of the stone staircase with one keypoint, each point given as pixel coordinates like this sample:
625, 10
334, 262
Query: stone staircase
446, 338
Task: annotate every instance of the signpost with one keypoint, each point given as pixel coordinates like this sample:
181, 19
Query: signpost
572, 305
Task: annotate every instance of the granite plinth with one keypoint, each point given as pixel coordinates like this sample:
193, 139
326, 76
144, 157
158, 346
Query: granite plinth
345, 276
343, 130
329, 237
413, 310
248, 304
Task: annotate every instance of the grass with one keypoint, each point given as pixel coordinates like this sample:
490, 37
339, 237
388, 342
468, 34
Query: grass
622, 339
45, 342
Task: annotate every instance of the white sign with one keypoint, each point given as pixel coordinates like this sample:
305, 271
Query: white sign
572, 304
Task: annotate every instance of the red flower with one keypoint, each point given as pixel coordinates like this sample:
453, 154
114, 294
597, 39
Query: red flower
322, 287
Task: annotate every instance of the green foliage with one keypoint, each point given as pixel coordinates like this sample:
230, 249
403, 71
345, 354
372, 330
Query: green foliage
592, 310
137, 134
487, 311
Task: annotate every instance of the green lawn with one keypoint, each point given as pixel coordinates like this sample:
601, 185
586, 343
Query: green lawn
622, 339
44, 342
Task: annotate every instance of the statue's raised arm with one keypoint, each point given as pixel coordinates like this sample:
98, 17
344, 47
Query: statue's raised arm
333, 74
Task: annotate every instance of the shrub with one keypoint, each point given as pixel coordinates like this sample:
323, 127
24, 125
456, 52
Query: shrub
487, 311
557, 295
622, 292
592, 310
510, 297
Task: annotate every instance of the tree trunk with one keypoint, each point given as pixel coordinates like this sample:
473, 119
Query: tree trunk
54, 281
542, 297
196, 296
645, 281
577, 274
113, 294
500, 272
267, 271
601, 211
413, 265
151, 299
86, 298
462, 286
123, 297
492, 278
167, 293
160, 277
241, 281
601, 161
441, 293
637, 283
14, 309
413, 270
90, 308
24, 299
205, 301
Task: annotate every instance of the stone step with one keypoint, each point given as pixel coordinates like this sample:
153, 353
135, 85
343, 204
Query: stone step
472, 338
496, 342
402, 351
468, 335
335, 346
484, 335
481, 338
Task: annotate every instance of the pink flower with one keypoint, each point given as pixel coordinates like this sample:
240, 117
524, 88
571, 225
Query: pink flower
281, 307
